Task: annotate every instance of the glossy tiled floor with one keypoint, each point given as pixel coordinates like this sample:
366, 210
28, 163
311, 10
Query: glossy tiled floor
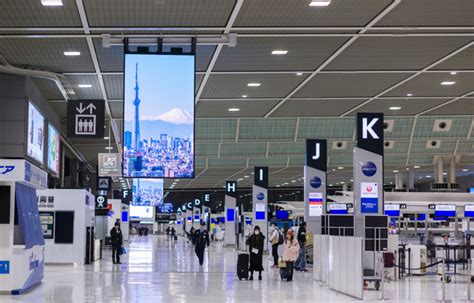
155, 270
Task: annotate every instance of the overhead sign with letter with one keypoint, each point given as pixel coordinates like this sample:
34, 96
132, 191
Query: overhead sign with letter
110, 165
85, 118
315, 172
260, 199
230, 200
368, 164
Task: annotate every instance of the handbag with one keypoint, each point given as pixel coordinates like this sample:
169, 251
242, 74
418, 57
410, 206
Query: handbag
123, 251
281, 263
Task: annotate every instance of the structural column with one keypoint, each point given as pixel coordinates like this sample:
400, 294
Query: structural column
452, 170
230, 213
260, 200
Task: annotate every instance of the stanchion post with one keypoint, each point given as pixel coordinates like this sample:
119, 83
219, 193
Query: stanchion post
443, 279
382, 278
468, 280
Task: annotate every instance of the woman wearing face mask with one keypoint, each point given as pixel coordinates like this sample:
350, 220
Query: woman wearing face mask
256, 242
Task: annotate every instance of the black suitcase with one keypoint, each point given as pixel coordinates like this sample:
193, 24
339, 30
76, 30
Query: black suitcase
243, 266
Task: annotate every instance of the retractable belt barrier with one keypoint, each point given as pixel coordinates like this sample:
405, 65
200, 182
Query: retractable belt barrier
420, 268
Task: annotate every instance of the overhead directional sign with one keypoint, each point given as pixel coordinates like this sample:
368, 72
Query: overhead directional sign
85, 118
110, 164
104, 183
100, 201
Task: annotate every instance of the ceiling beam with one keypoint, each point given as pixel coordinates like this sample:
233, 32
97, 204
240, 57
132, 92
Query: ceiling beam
218, 49
439, 61
333, 56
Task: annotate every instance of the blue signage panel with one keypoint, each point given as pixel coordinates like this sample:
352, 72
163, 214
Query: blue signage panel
230, 215
369, 205
259, 215
124, 216
4, 267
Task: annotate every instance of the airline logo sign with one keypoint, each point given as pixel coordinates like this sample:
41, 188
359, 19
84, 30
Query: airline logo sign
315, 204
369, 197
316, 154
370, 132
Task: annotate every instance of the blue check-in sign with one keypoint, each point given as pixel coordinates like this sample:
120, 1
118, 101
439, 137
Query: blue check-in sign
4, 267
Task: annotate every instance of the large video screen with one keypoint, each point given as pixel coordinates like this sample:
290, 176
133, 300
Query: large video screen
166, 207
53, 149
141, 212
147, 192
158, 116
35, 144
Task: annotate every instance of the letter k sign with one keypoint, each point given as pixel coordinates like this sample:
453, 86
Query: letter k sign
317, 150
367, 128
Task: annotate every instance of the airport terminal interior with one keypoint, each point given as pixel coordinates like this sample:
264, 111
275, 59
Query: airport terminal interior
236, 151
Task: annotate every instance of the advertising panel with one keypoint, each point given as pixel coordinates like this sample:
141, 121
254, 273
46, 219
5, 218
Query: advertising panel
53, 149
159, 116
369, 197
141, 212
35, 144
147, 192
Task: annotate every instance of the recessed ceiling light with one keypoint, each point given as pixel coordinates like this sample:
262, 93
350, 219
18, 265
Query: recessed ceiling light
465, 169
445, 174
279, 52
340, 167
453, 73
409, 94
448, 82
352, 180
286, 183
278, 185
52, 2
420, 178
293, 181
330, 184
320, 3
246, 176
254, 84
244, 96
106, 138
395, 108
85, 85
72, 53
299, 74
233, 109
428, 176
395, 171
416, 166
109, 147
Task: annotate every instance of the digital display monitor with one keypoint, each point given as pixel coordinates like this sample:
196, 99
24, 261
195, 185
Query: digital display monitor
445, 210
147, 192
35, 144
421, 217
166, 208
230, 215
338, 209
392, 210
469, 211
159, 116
141, 212
282, 214
53, 149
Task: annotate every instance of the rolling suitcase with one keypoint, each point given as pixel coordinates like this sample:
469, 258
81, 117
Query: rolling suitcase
243, 266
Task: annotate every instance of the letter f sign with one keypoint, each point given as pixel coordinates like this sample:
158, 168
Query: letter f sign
317, 152
367, 128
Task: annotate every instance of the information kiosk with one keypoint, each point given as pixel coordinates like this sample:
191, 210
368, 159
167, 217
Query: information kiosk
21, 238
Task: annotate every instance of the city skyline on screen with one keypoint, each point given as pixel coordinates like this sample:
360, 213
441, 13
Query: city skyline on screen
159, 116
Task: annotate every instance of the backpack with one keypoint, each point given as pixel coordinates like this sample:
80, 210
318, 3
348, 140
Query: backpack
281, 238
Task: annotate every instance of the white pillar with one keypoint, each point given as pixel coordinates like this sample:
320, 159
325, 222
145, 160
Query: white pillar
452, 170
411, 179
398, 180
345, 187
439, 170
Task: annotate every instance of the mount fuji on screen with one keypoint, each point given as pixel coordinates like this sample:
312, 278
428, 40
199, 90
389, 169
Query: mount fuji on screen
158, 134
174, 123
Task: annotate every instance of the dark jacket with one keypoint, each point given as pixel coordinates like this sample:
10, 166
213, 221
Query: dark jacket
302, 234
201, 238
116, 237
256, 242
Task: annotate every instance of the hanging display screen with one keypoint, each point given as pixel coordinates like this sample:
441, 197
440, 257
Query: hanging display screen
158, 127
53, 149
141, 212
147, 192
35, 144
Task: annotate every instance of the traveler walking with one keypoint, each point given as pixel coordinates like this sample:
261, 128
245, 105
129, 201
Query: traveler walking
201, 240
116, 239
256, 244
290, 253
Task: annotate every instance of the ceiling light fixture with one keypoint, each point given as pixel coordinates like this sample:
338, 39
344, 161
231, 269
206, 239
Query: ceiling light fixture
448, 82
279, 52
109, 147
244, 96
320, 3
85, 85
395, 108
254, 84
416, 166
453, 73
106, 138
52, 2
72, 53
465, 169
428, 176
234, 109
340, 167
299, 74
395, 171
409, 94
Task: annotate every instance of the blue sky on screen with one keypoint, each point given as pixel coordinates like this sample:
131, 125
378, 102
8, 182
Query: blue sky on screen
166, 82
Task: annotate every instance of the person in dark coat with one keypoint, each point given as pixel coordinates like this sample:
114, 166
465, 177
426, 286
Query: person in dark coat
201, 240
116, 239
256, 244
